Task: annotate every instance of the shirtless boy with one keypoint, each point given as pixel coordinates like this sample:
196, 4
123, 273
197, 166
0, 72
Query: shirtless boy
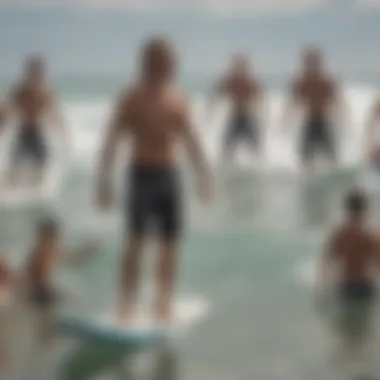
242, 88
353, 249
31, 103
153, 115
316, 92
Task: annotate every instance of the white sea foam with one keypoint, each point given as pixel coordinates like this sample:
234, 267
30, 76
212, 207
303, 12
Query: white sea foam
87, 120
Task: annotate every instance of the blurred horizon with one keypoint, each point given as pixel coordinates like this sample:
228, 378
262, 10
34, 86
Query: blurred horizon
83, 42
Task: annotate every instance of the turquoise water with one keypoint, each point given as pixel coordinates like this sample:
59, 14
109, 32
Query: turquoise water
242, 255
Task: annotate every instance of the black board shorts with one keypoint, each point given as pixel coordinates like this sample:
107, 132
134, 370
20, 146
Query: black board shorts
317, 137
365, 291
242, 128
356, 303
155, 201
30, 146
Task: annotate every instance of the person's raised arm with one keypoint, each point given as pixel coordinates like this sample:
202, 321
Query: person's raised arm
196, 154
114, 133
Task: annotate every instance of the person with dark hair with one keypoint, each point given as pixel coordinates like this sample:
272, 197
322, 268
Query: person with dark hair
353, 252
242, 88
32, 102
154, 116
317, 93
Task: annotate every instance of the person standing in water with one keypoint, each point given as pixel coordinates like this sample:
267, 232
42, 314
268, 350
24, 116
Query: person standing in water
353, 250
242, 88
155, 117
32, 102
317, 94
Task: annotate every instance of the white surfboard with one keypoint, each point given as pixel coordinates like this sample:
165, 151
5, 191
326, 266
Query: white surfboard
143, 334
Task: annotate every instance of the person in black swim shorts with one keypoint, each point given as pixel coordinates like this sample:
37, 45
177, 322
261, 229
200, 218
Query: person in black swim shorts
32, 103
30, 146
155, 193
316, 93
154, 116
353, 250
316, 138
244, 92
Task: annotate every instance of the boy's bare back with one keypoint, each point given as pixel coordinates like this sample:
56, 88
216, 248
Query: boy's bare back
154, 123
356, 249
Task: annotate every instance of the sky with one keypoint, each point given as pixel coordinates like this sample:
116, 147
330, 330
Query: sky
269, 6
212, 6
102, 37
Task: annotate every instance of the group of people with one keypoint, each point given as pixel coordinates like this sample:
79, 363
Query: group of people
153, 115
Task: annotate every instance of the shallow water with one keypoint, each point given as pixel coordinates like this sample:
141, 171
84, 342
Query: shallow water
242, 254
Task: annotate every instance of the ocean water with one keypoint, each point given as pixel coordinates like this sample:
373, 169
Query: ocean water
250, 253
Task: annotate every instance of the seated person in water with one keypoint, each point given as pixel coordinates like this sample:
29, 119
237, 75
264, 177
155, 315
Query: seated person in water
353, 249
31, 102
243, 89
373, 136
46, 256
316, 93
